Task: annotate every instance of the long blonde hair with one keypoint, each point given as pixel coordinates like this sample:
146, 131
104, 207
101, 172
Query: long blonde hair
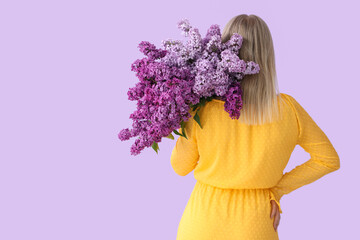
260, 91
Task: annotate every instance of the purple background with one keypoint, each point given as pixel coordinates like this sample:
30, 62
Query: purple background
65, 73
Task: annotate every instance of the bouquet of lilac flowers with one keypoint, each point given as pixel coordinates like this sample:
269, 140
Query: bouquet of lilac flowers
182, 77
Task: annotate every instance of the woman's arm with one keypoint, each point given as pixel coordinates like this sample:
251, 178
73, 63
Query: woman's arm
185, 155
323, 157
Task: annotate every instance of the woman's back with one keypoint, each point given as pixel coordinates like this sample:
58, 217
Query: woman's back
228, 154
238, 155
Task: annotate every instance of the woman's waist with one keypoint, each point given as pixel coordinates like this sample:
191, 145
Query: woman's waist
234, 187
237, 183
209, 195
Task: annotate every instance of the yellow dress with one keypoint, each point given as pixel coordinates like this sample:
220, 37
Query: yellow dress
239, 169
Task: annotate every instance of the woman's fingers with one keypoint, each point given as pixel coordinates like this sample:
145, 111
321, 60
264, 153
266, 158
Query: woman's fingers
275, 213
273, 209
277, 220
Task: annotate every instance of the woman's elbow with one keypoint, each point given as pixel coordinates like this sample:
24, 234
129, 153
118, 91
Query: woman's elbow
336, 164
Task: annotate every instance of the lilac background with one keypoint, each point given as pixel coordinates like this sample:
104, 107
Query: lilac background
65, 72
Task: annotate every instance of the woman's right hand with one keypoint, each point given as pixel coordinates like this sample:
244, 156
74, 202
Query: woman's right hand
275, 213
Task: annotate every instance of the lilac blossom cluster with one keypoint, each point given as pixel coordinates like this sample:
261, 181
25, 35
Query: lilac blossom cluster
178, 77
164, 96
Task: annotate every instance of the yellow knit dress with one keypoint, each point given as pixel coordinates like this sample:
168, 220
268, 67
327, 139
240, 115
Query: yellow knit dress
239, 169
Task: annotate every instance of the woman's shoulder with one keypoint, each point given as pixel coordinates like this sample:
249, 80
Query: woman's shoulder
292, 103
287, 97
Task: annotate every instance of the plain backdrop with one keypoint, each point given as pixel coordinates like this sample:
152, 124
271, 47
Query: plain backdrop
65, 73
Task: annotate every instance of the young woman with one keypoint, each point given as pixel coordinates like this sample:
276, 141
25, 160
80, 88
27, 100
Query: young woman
238, 164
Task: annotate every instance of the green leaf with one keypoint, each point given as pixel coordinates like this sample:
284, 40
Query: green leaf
203, 101
155, 146
170, 136
194, 107
183, 124
197, 119
176, 132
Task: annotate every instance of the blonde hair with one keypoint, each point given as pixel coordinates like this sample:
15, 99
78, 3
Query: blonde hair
260, 91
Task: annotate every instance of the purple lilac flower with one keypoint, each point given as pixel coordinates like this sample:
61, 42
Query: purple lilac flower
233, 102
184, 25
234, 44
150, 50
231, 62
164, 95
214, 30
124, 134
214, 44
252, 68
174, 79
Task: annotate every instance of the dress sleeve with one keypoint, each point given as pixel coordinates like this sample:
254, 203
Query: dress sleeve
185, 155
323, 157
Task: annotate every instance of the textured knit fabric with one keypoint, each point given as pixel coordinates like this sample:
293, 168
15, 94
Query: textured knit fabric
239, 169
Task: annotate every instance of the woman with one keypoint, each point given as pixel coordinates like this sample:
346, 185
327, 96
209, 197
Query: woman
238, 164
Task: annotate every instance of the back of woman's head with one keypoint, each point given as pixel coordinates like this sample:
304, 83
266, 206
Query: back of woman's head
260, 102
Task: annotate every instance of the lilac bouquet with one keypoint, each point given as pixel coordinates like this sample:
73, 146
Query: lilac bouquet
181, 78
